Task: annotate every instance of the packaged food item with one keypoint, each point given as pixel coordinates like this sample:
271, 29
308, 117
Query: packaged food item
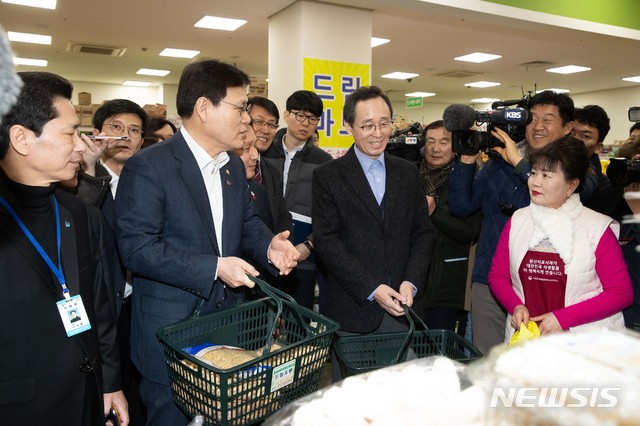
525, 333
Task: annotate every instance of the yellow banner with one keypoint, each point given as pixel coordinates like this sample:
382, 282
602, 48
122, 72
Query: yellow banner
333, 81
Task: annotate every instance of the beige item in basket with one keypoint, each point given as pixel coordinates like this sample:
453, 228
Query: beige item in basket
225, 357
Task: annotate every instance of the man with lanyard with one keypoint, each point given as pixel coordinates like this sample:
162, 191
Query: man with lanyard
54, 369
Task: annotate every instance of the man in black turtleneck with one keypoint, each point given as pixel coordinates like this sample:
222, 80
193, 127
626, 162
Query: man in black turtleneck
53, 370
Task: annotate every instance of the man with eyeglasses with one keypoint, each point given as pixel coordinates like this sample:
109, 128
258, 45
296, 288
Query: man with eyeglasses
185, 219
295, 157
371, 224
97, 185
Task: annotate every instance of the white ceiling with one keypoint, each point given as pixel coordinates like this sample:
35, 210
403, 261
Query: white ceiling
424, 39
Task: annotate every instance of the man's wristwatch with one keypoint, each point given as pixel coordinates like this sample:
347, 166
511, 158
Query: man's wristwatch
308, 244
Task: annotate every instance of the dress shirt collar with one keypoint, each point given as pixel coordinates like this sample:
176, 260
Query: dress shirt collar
202, 157
366, 161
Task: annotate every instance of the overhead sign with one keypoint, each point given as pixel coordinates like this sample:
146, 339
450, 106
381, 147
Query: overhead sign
410, 102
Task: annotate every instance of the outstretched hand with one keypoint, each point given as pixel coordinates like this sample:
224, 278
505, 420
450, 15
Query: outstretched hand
95, 149
282, 254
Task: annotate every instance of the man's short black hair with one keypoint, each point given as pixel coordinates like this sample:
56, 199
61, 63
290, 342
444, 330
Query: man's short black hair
117, 107
636, 126
561, 100
267, 104
363, 93
34, 106
594, 116
208, 78
305, 100
156, 124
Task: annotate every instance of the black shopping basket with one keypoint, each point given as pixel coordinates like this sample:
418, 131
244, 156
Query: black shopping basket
251, 391
363, 353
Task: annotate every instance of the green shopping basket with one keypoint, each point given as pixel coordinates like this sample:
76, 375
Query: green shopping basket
249, 392
363, 353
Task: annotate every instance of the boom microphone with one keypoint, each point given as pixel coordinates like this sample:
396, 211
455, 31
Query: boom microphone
10, 83
458, 117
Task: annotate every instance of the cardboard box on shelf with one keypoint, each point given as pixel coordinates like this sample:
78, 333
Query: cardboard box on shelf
156, 110
86, 116
84, 98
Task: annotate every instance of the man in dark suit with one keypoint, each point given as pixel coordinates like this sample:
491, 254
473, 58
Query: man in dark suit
52, 262
371, 225
184, 218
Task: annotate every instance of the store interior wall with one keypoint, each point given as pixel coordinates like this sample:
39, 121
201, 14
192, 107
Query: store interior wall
616, 102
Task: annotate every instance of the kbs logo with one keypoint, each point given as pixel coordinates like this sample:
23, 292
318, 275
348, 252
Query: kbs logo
513, 114
549, 397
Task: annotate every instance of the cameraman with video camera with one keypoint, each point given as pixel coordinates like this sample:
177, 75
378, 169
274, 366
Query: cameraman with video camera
499, 188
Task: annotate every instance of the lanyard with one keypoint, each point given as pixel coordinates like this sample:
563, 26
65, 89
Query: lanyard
57, 270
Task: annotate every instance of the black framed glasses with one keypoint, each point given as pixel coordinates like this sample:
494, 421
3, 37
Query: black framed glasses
301, 116
257, 122
240, 108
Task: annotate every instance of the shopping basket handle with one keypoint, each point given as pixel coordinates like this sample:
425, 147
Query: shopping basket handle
407, 340
278, 295
411, 313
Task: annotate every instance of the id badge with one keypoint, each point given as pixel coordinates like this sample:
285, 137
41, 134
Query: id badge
74, 316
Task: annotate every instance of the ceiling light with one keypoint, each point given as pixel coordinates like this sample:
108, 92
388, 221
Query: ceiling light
377, 41
482, 84
137, 83
485, 100
44, 4
28, 38
400, 75
179, 53
420, 94
30, 62
569, 69
216, 23
554, 89
478, 57
635, 79
150, 71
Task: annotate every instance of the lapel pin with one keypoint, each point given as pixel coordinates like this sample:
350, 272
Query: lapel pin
228, 182
67, 224
227, 172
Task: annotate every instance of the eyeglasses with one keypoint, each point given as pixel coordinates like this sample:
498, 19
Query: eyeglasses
256, 122
370, 128
118, 129
301, 116
239, 108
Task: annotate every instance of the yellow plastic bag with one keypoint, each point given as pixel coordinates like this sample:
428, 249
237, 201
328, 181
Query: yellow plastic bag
525, 333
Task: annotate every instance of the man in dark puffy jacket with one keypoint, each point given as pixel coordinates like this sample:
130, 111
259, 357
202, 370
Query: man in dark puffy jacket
294, 155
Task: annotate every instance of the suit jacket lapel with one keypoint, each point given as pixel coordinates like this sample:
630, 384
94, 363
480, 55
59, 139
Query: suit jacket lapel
192, 178
69, 251
358, 181
392, 186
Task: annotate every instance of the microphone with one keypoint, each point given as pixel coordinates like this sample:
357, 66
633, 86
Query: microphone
10, 83
458, 117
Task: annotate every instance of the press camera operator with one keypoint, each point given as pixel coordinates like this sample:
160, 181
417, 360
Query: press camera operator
498, 189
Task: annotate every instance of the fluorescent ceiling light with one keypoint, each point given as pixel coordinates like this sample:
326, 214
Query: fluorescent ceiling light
150, 71
482, 84
635, 79
137, 83
377, 41
28, 38
569, 69
485, 100
420, 94
179, 53
554, 89
30, 62
216, 23
400, 75
478, 57
44, 4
